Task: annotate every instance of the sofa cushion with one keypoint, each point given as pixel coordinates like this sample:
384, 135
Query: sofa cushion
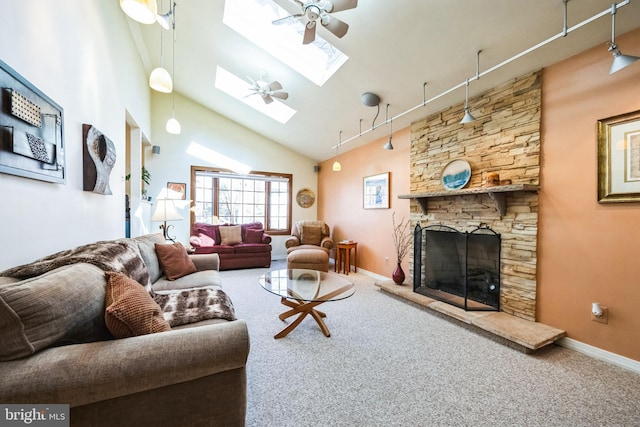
207, 229
130, 309
147, 247
174, 260
230, 234
62, 306
199, 279
253, 236
311, 235
246, 248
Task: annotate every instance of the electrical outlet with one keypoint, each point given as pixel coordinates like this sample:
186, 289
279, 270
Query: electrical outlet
602, 319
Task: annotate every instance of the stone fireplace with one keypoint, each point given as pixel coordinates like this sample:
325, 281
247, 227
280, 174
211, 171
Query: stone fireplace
505, 138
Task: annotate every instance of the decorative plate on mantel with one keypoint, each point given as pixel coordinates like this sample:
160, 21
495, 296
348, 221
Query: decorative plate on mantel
456, 174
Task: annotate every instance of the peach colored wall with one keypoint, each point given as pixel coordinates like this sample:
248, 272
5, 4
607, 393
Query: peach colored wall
340, 201
588, 252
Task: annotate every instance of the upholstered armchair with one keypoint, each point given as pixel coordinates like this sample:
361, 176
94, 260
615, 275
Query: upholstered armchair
309, 234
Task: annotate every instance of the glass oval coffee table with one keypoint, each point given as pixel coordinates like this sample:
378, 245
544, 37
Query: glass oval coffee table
303, 290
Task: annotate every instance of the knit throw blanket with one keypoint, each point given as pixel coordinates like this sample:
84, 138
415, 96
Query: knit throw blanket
113, 255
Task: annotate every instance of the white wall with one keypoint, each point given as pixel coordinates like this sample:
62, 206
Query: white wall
81, 55
214, 132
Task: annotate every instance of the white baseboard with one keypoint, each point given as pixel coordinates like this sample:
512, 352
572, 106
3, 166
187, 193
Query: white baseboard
598, 353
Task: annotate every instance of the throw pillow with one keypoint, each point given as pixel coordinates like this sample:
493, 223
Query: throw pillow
253, 236
311, 235
174, 260
230, 234
130, 309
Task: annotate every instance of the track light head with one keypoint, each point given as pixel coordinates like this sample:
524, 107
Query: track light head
468, 118
619, 60
388, 145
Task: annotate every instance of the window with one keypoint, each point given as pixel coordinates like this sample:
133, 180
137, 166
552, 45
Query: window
224, 197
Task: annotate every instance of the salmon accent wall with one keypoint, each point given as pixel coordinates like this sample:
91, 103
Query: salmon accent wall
588, 252
340, 201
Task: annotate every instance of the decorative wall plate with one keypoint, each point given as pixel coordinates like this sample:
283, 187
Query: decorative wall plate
305, 198
456, 174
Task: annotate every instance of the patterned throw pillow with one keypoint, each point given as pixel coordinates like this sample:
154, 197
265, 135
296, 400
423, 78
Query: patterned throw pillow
130, 309
230, 234
174, 260
311, 235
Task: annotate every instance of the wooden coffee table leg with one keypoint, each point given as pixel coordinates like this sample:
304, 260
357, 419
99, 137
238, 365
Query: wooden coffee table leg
302, 310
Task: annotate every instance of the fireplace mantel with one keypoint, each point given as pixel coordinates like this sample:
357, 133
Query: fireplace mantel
497, 194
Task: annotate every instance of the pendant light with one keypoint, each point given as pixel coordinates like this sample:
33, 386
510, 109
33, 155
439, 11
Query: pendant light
619, 60
388, 145
337, 167
468, 118
143, 11
160, 79
173, 125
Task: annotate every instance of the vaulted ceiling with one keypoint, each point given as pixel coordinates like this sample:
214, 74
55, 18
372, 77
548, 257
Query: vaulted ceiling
394, 48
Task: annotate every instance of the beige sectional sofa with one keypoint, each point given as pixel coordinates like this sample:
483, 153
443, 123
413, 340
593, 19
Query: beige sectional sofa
56, 348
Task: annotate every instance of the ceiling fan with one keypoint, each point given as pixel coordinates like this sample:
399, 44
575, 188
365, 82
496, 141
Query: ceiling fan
267, 91
319, 10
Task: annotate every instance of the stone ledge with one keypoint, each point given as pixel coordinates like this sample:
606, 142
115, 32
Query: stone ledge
530, 335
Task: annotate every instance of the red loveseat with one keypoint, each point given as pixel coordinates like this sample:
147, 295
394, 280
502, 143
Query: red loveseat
238, 246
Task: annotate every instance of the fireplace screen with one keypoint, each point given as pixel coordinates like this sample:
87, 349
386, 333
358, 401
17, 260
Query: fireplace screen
462, 269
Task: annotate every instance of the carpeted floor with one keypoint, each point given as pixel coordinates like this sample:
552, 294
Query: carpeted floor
391, 363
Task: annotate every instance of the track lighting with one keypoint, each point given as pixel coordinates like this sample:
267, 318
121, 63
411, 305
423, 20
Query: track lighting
388, 145
619, 60
468, 118
143, 11
337, 167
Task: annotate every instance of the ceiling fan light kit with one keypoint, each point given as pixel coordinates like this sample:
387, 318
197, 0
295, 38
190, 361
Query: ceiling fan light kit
313, 11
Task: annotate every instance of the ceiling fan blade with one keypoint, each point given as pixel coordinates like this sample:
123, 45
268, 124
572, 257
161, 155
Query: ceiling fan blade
280, 95
336, 26
267, 99
309, 33
275, 86
287, 19
339, 5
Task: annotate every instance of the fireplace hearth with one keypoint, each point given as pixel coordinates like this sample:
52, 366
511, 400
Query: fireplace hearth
462, 269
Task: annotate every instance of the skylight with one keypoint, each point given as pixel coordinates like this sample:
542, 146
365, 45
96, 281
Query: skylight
317, 61
239, 89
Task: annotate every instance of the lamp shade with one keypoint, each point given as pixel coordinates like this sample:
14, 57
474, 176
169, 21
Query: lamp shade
160, 80
388, 145
620, 61
468, 118
165, 211
337, 167
173, 126
143, 11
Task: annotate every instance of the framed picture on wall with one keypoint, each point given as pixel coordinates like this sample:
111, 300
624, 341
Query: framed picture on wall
619, 158
177, 190
376, 191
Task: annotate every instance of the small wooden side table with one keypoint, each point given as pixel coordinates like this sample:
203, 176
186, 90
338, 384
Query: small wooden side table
343, 257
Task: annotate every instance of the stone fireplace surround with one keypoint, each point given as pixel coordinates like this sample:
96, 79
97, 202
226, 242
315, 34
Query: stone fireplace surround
504, 138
